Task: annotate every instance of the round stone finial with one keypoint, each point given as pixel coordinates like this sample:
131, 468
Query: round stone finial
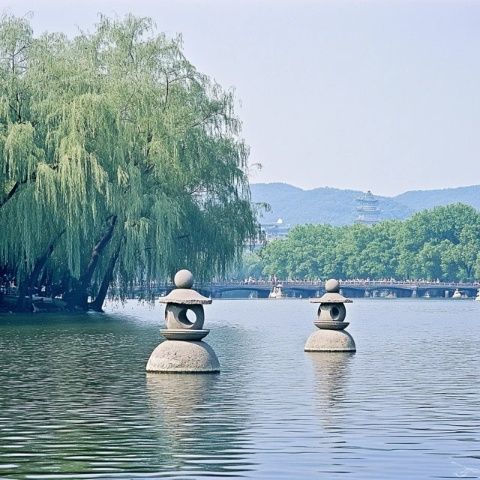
332, 286
183, 279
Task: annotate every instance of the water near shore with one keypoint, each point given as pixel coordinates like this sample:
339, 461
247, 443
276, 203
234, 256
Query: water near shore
75, 400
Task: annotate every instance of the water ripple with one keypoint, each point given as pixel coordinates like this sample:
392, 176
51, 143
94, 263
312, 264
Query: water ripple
75, 401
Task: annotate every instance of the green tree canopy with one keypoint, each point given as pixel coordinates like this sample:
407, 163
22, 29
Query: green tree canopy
442, 243
118, 160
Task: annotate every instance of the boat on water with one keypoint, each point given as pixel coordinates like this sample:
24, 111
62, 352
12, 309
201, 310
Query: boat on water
456, 294
277, 292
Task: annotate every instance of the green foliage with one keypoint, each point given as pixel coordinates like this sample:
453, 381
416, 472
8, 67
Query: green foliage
442, 243
114, 135
333, 206
250, 266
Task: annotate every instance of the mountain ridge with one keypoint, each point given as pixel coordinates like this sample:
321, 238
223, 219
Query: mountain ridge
336, 206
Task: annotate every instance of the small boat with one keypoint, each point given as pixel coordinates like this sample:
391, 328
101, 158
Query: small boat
456, 294
276, 292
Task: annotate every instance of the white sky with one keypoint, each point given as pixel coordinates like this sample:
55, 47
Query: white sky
380, 95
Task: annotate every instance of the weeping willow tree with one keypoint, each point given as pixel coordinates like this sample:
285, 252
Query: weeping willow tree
119, 161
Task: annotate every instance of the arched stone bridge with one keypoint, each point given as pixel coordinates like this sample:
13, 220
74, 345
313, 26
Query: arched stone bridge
355, 289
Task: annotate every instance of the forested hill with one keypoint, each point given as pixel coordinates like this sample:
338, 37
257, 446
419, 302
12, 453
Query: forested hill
421, 199
338, 207
320, 205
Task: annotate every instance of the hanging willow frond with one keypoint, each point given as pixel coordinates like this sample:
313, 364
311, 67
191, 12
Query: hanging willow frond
117, 123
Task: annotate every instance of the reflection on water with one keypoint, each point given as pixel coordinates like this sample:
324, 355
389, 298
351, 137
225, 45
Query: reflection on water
174, 399
75, 401
331, 370
201, 427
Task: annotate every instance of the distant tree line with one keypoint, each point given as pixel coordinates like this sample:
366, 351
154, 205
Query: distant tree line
442, 243
119, 162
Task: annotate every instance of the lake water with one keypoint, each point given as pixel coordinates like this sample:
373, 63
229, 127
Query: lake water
75, 401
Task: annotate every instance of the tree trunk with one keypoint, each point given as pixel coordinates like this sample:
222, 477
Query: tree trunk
78, 297
469, 271
97, 304
26, 286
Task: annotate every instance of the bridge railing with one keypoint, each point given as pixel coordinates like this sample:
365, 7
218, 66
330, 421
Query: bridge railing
347, 283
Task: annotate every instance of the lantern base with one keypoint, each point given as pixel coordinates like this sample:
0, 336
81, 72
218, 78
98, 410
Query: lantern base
323, 325
183, 334
180, 356
330, 341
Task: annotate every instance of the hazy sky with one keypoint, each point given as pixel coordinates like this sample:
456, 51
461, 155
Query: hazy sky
380, 95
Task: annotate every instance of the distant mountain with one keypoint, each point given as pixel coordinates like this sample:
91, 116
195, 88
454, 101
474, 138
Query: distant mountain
338, 207
421, 199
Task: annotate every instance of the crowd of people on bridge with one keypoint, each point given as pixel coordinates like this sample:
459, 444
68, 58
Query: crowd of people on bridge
273, 280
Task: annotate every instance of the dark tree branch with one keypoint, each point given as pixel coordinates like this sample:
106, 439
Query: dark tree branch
10, 194
167, 88
97, 304
31, 280
86, 277
19, 183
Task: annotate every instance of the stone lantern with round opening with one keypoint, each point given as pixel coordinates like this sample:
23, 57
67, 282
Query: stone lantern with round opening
183, 350
331, 336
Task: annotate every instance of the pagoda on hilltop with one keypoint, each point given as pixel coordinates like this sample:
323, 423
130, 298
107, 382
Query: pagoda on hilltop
367, 208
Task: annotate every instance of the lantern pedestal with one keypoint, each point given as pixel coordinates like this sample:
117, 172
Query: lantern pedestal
330, 341
180, 356
331, 336
183, 351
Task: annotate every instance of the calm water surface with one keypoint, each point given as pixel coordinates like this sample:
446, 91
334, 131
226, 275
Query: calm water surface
75, 401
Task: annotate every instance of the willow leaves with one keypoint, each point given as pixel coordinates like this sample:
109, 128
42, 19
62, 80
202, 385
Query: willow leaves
114, 148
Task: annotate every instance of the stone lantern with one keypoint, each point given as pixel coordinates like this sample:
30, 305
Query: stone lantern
183, 350
331, 336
